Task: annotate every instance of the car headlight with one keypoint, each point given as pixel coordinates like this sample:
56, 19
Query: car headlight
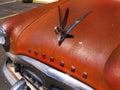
2, 36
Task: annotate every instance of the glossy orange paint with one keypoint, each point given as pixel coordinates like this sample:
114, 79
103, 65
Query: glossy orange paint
94, 50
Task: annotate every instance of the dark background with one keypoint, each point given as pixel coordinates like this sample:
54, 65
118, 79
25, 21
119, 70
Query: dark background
9, 8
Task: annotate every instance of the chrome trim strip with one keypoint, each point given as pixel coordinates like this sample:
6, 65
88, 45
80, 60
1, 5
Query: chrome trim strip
14, 77
53, 73
8, 75
64, 78
19, 85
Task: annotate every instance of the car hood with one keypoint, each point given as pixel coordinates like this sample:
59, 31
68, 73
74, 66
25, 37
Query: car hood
85, 55
15, 25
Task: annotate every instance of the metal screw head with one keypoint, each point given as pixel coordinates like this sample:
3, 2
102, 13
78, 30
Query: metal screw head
36, 52
43, 55
52, 59
62, 63
29, 50
84, 75
72, 69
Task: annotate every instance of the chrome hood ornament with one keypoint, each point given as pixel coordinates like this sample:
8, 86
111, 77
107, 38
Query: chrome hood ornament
62, 30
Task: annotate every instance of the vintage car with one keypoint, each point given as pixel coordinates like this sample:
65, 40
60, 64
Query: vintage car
65, 45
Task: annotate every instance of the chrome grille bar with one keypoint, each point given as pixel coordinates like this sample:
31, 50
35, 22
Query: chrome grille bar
50, 72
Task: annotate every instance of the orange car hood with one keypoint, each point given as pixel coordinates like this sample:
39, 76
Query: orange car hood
92, 51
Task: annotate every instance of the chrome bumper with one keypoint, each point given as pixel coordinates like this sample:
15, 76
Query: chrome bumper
12, 80
46, 73
15, 79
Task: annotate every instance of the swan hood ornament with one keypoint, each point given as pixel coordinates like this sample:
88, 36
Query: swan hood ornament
62, 30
